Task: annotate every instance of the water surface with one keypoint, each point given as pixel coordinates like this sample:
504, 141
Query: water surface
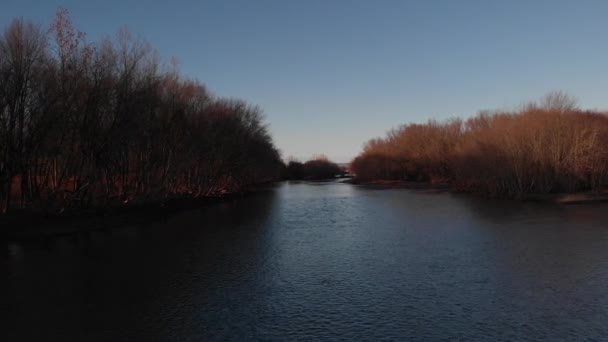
325, 261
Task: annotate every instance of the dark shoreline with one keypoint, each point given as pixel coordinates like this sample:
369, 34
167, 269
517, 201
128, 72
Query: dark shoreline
28, 224
398, 184
559, 198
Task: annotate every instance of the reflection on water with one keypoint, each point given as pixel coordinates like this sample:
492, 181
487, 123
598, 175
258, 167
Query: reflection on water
319, 261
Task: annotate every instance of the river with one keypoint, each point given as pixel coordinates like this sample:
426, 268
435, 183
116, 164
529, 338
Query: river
320, 261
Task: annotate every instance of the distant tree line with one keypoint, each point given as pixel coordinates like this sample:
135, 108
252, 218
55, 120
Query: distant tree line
90, 124
317, 168
546, 147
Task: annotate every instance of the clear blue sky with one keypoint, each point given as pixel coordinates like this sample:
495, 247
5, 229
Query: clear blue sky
332, 74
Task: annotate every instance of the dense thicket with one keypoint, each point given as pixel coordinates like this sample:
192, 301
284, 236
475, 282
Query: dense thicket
317, 168
545, 147
87, 124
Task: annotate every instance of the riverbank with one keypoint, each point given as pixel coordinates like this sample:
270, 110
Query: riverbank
570, 198
399, 184
25, 224
560, 198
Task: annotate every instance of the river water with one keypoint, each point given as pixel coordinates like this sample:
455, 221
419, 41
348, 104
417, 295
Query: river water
320, 261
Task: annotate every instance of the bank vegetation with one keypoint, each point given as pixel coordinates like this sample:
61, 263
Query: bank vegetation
546, 147
92, 124
317, 168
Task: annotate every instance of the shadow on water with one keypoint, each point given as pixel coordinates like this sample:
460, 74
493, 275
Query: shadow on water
127, 281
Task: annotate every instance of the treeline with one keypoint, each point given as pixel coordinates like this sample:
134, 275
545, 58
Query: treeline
545, 147
85, 124
317, 168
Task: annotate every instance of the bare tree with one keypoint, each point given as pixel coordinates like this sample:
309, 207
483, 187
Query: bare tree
552, 147
22, 53
90, 124
559, 101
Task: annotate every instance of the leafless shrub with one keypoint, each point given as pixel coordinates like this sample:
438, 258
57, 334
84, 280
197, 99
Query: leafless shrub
551, 147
